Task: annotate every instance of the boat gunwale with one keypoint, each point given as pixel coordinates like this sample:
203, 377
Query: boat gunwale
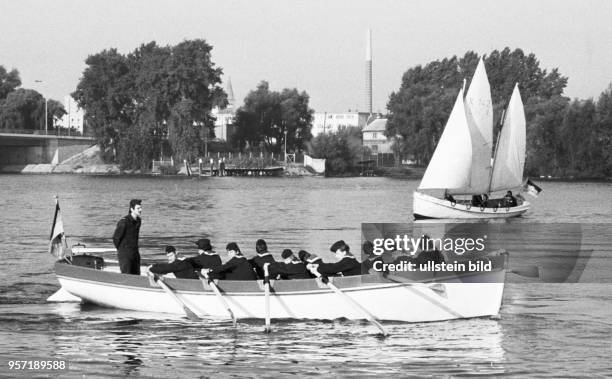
476, 210
375, 281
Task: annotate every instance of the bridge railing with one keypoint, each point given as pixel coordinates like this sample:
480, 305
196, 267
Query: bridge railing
56, 132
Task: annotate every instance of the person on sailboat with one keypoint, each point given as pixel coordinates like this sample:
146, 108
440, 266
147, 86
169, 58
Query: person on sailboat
449, 197
347, 264
509, 200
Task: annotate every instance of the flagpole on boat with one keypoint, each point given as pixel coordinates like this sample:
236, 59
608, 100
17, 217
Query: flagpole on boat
206, 279
369, 316
190, 314
266, 281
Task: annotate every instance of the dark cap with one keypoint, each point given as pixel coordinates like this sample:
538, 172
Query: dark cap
232, 246
204, 244
339, 245
170, 249
303, 255
286, 253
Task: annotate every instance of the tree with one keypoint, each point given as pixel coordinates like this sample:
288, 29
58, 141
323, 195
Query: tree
22, 109
420, 108
266, 116
341, 150
55, 110
136, 99
9, 81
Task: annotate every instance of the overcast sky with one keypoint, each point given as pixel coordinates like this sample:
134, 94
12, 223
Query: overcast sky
316, 46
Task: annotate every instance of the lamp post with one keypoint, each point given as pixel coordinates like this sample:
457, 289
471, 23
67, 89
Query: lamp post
285, 147
46, 117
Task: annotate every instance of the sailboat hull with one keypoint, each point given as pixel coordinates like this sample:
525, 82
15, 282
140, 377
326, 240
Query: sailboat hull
425, 206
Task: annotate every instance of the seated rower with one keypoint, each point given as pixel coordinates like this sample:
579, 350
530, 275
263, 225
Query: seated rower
290, 268
206, 258
182, 269
307, 258
369, 258
263, 256
347, 264
237, 268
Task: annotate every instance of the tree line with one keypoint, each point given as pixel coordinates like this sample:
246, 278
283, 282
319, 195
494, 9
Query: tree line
22, 108
158, 99
564, 138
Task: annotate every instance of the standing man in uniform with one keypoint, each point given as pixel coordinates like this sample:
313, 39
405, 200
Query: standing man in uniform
126, 239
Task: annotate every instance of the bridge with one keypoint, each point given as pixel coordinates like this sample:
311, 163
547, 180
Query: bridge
22, 147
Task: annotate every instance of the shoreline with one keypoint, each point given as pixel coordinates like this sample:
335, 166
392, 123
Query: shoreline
114, 170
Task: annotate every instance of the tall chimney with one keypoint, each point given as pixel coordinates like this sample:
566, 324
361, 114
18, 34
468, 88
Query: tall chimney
368, 72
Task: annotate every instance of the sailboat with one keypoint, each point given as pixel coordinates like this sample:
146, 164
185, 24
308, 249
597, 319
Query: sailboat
462, 165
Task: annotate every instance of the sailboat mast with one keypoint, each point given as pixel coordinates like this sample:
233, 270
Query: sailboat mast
501, 121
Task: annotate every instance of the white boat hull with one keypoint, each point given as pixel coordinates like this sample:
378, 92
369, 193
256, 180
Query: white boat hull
479, 295
425, 206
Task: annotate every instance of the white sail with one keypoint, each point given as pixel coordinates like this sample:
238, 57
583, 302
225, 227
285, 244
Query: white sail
449, 167
479, 112
510, 155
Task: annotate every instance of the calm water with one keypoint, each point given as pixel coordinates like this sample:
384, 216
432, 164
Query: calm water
545, 329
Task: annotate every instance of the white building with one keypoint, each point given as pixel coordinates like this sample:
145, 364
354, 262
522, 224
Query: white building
224, 118
327, 122
374, 137
74, 115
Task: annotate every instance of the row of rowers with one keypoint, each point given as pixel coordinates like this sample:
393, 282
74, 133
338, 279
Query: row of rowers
238, 267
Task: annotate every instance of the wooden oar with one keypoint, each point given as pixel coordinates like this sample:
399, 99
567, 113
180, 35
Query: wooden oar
206, 279
369, 316
190, 314
266, 281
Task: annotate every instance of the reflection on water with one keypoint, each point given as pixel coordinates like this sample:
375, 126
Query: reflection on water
127, 343
544, 329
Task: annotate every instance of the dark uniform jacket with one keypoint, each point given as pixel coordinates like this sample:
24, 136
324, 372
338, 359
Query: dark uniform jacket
347, 266
293, 270
182, 269
237, 268
126, 234
207, 260
258, 261
368, 265
125, 239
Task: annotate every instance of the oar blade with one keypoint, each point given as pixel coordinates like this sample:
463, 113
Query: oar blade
190, 314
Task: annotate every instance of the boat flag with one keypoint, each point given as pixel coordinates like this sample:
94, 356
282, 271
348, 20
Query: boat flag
57, 240
532, 188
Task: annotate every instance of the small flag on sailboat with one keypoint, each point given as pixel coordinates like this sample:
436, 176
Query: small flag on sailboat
57, 241
532, 188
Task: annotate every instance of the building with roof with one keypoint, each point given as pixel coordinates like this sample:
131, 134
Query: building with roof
375, 139
224, 118
327, 122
